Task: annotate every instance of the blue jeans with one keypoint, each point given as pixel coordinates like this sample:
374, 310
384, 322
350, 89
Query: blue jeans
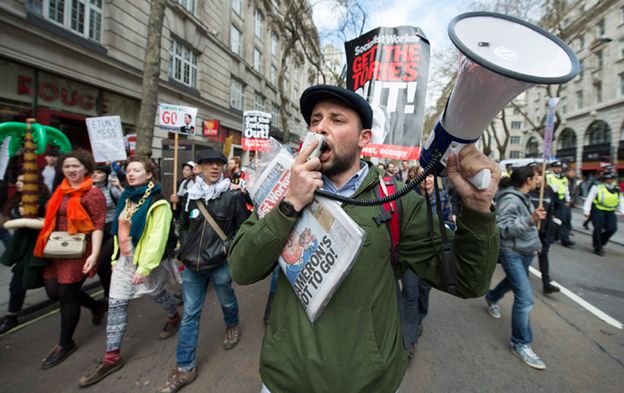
194, 287
516, 268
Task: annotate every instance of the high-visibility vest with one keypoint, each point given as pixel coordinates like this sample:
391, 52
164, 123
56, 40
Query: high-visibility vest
606, 200
559, 184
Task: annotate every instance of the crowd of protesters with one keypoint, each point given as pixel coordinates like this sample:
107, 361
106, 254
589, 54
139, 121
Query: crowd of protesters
138, 240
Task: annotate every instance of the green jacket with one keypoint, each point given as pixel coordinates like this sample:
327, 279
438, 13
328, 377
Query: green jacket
151, 247
355, 345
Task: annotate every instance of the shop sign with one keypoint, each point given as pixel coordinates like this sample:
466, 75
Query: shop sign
59, 93
211, 127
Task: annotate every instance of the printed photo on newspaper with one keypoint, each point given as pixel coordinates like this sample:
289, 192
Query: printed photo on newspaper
321, 248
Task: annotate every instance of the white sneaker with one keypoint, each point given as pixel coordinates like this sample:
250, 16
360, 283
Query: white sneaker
525, 353
493, 309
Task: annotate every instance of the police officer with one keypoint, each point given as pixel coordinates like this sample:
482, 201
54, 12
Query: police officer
603, 200
559, 183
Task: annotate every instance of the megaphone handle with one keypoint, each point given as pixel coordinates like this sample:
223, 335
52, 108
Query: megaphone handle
482, 179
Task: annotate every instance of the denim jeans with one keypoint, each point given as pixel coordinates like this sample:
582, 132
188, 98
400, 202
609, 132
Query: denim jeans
194, 287
516, 268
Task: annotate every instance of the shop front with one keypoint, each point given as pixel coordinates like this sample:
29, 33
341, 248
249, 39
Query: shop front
26, 92
595, 156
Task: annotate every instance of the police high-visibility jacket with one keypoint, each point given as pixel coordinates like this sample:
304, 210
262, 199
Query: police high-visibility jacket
559, 184
606, 199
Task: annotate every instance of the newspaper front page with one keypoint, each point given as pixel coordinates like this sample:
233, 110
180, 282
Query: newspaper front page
322, 246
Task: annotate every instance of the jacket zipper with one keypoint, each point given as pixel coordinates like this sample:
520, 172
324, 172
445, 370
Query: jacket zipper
201, 239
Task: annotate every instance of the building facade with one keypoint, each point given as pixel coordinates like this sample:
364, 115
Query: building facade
62, 61
591, 108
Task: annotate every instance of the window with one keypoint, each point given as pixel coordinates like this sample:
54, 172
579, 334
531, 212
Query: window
237, 6
514, 154
183, 65
601, 28
598, 91
564, 105
514, 140
581, 42
235, 40
276, 119
295, 87
581, 69
567, 139
621, 84
516, 111
188, 5
579, 99
273, 74
516, 125
257, 60
622, 47
258, 24
599, 132
599, 62
538, 115
273, 44
83, 17
258, 102
236, 94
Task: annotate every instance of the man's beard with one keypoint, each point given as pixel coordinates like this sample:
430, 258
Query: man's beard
340, 163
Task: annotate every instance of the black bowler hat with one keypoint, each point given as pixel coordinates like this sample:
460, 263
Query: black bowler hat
312, 95
103, 168
210, 155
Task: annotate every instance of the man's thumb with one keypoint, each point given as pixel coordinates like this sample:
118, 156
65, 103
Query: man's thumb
452, 169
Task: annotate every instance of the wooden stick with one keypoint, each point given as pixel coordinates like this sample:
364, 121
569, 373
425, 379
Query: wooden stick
175, 167
541, 198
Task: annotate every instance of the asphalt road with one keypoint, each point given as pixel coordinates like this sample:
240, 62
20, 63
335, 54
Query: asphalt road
463, 349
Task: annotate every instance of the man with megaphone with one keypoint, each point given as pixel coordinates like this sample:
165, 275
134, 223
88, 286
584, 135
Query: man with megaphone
355, 345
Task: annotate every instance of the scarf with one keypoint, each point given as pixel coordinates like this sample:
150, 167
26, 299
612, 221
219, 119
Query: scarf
140, 215
205, 191
78, 220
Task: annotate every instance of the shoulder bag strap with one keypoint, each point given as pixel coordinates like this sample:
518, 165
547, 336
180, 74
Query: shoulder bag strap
211, 221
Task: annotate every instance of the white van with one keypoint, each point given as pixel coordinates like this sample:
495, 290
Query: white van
517, 162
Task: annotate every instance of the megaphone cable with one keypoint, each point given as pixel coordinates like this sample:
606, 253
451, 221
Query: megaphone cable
427, 170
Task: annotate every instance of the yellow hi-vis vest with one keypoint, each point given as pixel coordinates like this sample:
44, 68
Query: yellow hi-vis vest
558, 184
606, 200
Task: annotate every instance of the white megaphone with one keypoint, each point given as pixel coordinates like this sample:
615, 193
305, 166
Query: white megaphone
502, 57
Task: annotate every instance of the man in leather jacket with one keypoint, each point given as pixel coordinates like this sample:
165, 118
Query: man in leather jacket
204, 255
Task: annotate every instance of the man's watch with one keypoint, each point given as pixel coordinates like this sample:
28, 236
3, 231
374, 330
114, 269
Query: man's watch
288, 209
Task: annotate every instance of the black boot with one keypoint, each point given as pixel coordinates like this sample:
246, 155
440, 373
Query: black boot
10, 321
549, 288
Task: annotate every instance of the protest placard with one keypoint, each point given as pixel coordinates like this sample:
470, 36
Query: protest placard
176, 118
389, 67
107, 139
256, 130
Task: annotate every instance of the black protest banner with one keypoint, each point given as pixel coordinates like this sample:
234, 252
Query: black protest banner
389, 66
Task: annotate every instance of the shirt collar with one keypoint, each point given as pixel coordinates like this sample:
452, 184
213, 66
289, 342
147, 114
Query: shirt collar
351, 186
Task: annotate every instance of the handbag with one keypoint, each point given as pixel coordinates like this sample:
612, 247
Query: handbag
63, 245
